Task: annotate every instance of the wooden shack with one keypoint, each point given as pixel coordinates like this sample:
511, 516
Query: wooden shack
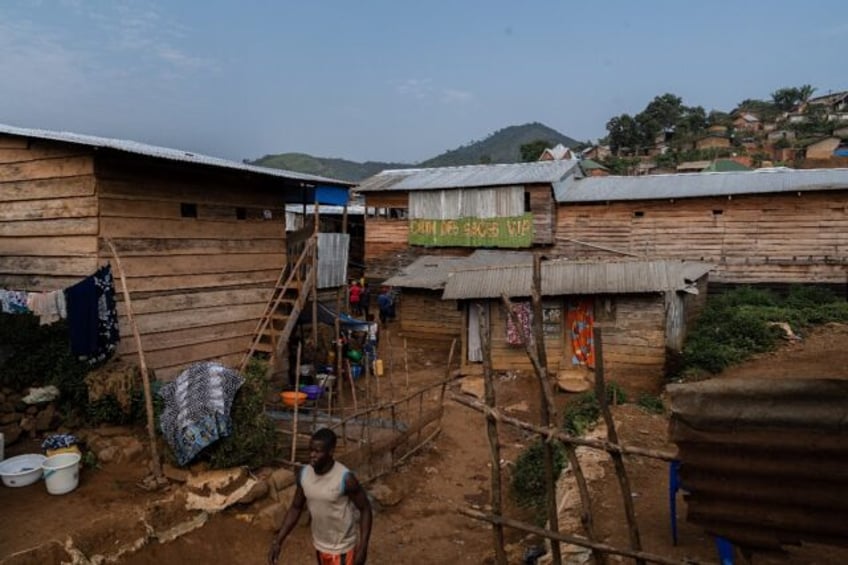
421, 312
453, 210
202, 240
760, 227
644, 308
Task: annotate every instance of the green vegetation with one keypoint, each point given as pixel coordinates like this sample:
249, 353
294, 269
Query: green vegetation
533, 150
581, 413
736, 325
253, 441
35, 355
528, 478
650, 404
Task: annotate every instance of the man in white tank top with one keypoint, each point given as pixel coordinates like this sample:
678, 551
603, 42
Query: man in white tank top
336, 502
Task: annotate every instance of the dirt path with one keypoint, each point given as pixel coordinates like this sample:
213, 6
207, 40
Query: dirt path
424, 527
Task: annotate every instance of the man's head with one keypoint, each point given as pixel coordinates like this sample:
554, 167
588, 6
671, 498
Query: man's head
321, 447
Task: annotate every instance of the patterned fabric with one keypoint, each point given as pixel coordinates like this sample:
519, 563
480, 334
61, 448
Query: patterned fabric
58, 441
515, 334
581, 323
92, 317
13, 302
197, 408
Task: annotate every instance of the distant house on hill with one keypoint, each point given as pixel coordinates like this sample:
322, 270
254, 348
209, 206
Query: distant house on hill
745, 121
713, 141
202, 240
823, 148
556, 153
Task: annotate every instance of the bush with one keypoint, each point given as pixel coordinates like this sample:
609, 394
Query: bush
528, 479
253, 441
651, 404
581, 413
36, 355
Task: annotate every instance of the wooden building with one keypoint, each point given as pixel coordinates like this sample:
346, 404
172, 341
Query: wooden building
644, 308
771, 227
202, 240
453, 210
420, 310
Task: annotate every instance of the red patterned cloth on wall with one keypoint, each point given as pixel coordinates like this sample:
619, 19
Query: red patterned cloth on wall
515, 334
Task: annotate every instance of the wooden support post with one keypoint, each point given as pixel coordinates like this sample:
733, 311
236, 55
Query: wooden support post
612, 436
296, 403
314, 288
491, 431
406, 365
145, 379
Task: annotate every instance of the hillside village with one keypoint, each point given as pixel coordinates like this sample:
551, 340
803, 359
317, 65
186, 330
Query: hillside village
794, 130
576, 268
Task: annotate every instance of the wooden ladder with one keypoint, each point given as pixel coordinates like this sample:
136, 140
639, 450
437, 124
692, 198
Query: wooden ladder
291, 291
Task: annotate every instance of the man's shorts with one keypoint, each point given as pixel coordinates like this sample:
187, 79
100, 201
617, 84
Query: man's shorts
335, 558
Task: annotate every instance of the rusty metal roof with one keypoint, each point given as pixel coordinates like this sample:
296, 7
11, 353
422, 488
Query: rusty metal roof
469, 176
431, 271
562, 276
765, 461
157, 152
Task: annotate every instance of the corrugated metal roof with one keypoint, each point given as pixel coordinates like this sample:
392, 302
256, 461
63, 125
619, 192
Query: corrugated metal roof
137, 148
763, 460
469, 176
613, 188
563, 276
431, 271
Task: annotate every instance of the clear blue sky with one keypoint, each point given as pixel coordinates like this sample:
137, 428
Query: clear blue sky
393, 80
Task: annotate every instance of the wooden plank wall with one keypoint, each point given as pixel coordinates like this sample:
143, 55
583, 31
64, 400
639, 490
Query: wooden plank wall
634, 342
198, 285
797, 238
513, 357
48, 214
423, 313
543, 208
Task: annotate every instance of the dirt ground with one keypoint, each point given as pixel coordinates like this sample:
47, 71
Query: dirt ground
424, 526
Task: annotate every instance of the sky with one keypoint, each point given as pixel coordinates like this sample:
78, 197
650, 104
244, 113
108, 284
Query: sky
393, 80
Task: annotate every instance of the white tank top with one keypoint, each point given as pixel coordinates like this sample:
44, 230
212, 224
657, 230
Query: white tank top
333, 512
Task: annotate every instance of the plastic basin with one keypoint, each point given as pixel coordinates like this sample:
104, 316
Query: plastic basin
22, 470
292, 398
313, 392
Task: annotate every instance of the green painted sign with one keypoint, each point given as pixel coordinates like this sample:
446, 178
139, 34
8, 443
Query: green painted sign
514, 231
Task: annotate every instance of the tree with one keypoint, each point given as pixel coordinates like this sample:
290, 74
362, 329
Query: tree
693, 120
533, 150
624, 133
787, 99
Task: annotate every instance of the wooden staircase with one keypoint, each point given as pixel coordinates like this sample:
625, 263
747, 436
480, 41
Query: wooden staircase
291, 291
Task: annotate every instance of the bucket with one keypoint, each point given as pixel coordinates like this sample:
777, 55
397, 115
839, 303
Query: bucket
61, 472
356, 371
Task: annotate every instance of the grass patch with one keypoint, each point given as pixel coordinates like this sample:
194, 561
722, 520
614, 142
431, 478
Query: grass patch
735, 325
650, 404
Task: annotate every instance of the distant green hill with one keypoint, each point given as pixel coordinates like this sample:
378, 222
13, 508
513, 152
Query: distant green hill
503, 146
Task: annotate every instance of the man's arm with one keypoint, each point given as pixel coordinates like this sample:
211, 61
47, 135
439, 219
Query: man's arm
292, 515
357, 495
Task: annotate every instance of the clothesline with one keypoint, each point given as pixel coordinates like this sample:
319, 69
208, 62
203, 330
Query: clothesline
89, 307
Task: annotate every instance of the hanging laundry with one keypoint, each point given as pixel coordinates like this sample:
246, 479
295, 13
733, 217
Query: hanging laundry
48, 306
197, 407
92, 317
13, 302
515, 334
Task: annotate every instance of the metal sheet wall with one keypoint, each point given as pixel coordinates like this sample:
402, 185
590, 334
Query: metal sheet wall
765, 461
332, 259
499, 202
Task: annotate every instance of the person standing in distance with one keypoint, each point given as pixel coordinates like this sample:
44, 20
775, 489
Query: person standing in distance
332, 493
